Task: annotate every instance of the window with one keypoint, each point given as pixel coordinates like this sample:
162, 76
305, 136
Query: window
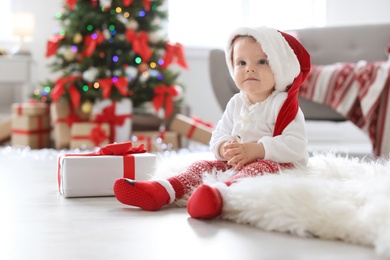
208, 22
5, 20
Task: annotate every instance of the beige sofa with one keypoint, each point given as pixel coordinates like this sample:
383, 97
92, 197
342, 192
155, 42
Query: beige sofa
326, 45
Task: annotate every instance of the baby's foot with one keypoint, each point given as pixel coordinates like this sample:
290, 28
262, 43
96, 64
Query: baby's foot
205, 202
148, 195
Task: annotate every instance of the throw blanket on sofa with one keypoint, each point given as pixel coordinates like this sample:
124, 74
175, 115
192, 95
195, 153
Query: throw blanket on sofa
358, 91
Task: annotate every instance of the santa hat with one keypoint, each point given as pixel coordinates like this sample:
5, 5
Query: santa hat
289, 61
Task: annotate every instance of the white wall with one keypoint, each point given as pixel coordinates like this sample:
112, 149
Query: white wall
199, 93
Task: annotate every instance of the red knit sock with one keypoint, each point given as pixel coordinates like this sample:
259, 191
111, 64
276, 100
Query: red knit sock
177, 187
148, 195
205, 202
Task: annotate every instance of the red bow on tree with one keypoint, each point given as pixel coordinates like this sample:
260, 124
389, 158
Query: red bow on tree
164, 93
140, 44
174, 51
52, 44
60, 88
91, 41
71, 4
119, 83
146, 3
127, 2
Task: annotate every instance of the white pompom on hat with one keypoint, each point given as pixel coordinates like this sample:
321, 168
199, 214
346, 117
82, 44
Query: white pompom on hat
289, 61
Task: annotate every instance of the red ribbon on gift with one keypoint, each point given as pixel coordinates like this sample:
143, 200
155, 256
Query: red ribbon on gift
91, 41
164, 93
40, 131
125, 149
71, 118
196, 122
32, 103
148, 142
174, 51
60, 87
108, 116
97, 135
107, 83
52, 44
140, 44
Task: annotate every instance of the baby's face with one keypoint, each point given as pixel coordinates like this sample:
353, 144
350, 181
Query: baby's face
252, 73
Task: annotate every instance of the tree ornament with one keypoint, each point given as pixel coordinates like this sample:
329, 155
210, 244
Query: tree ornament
107, 34
105, 3
180, 93
86, 107
131, 71
77, 38
69, 55
154, 37
90, 75
143, 67
132, 24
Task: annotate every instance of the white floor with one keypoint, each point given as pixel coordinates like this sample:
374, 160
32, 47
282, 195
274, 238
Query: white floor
36, 222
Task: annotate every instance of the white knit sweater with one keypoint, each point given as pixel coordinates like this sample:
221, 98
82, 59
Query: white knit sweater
247, 122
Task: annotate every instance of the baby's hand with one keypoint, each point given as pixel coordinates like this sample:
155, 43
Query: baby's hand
225, 150
242, 154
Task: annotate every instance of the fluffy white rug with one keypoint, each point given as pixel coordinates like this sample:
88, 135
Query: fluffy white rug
335, 198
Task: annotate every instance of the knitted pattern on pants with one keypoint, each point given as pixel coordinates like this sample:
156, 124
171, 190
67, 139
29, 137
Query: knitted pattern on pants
191, 178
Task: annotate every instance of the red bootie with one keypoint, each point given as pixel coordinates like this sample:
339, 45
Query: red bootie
148, 195
205, 202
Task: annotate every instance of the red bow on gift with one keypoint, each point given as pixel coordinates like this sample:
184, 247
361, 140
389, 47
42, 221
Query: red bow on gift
108, 116
140, 44
174, 51
71, 4
98, 135
166, 93
59, 90
52, 44
120, 149
119, 83
91, 41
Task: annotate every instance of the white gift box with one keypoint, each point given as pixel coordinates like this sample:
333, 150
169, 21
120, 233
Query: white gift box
122, 113
91, 176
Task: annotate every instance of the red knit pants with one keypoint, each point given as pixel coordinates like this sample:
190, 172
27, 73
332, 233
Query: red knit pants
192, 176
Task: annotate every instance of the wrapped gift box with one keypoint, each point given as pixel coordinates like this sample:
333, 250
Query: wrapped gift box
155, 141
91, 176
192, 128
63, 116
89, 135
30, 109
118, 114
5, 129
30, 125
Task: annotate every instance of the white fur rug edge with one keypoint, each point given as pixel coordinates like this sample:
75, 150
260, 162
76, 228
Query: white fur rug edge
335, 198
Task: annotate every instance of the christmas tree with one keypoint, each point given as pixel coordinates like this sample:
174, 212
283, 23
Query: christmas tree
113, 49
